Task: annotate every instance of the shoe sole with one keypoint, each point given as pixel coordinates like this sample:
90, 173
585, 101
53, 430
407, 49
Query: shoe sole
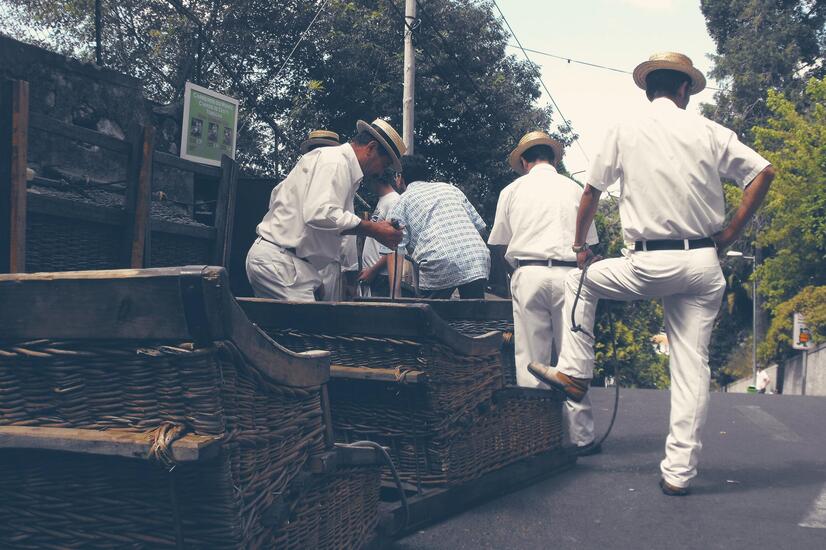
559, 387
671, 491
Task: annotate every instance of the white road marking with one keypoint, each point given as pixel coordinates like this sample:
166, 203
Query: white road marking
768, 423
817, 514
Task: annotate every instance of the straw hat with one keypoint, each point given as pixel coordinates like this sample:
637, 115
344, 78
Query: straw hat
532, 139
675, 62
388, 137
319, 138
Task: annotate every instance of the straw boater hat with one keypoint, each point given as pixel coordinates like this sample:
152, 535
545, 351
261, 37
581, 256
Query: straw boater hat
387, 137
532, 139
675, 62
319, 138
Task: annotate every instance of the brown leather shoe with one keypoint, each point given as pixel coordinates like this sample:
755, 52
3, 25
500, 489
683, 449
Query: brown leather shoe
673, 490
573, 388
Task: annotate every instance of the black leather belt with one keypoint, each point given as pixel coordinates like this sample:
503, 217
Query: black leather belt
288, 249
673, 244
545, 263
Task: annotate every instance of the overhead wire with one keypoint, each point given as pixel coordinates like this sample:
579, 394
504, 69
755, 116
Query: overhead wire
541, 81
589, 63
301, 38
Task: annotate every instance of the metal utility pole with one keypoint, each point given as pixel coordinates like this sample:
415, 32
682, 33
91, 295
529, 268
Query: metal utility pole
98, 25
408, 99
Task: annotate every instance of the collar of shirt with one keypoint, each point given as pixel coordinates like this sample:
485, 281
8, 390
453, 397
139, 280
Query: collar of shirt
352, 162
542, 167
664, 103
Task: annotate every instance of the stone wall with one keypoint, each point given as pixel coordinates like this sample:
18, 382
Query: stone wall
99, 99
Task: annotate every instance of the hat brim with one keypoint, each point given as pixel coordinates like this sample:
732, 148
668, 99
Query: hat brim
362, 126
698, 80
317, 142
516, 154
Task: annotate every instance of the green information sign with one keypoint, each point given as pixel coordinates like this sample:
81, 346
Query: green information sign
209, 125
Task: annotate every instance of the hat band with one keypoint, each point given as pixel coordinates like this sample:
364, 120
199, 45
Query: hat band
387, 139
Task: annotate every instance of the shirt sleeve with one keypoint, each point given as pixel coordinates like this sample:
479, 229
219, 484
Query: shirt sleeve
605, 168
738, 162
474, 216
327, 193
501, 234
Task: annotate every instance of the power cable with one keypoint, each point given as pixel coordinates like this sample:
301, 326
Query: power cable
301, 39
539, 76
589, 64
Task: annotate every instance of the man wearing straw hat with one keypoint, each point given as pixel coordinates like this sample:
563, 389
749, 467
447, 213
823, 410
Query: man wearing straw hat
319, 138
535, 220
311, 210
669, 163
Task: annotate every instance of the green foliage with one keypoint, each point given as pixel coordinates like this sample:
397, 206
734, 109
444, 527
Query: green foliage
761, 44
794, 278
473, 100
811, 302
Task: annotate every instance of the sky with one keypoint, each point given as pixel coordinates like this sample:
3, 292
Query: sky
614, 33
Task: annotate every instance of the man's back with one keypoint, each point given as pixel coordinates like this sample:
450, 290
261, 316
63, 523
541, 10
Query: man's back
442, 233
536, 216
670, 163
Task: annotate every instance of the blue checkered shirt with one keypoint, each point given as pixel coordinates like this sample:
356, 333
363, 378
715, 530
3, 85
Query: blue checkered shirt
442, 235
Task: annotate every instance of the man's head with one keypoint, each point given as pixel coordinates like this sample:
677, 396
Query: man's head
380, 185
414, 168
377, 147
535, 148
671, 75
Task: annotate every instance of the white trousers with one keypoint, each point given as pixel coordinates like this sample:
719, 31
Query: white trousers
275, 273
331, 282
691, 285
538, 296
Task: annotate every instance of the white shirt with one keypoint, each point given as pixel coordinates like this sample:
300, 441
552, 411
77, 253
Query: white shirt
536, 217
373, 251
313, 205
670, 163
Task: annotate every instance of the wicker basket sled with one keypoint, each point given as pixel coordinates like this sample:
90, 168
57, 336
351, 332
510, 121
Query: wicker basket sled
404, 377
141, 409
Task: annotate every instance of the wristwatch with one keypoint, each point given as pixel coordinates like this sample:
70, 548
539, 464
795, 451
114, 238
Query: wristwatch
580, 248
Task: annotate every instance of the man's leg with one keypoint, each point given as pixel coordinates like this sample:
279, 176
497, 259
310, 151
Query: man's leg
278, 275
532, 331
579, 417
689, 320
437, 294
474, 290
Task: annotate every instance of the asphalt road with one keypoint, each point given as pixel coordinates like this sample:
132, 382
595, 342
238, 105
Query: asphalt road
762, 474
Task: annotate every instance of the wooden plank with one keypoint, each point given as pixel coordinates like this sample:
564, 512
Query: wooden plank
390, 320
186, 165
15, 122
138, 198
225, 211
323, 463
437, 504
349, 455
379, 375
50, 125
457, 310
189, 448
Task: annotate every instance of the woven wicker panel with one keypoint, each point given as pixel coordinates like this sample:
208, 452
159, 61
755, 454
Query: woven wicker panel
335, 511
268, 431
62, 500
455, 382
64, 244
473, 327
511, 427
169, 250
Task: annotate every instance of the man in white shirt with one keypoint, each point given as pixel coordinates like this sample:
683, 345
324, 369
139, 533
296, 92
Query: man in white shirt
535, 220
312, 209
374, 256
669, 163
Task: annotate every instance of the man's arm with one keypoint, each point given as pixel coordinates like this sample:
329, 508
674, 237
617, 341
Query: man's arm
753, 197
383, 231
588, 205
368, 274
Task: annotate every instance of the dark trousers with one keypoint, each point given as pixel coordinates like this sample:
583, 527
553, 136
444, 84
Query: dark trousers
474, 290
380, 286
